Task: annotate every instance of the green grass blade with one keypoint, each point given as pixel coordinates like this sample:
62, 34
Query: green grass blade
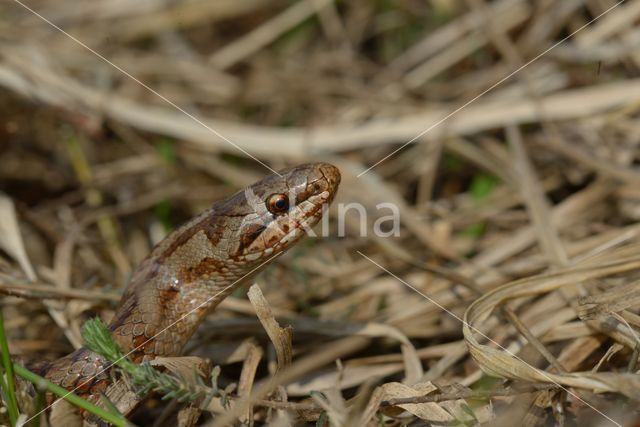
116, 419
40, 402
10, 390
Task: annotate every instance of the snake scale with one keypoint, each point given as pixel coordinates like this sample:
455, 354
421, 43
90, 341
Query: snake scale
195, 267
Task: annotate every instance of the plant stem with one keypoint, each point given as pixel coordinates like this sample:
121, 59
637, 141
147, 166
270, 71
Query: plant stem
10, 391
116, 419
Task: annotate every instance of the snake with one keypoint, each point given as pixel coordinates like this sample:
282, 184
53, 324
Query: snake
188, 273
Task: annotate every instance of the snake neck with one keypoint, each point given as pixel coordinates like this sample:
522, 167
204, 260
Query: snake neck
161, 313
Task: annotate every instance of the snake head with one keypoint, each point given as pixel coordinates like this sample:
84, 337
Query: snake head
245, 229
278, 210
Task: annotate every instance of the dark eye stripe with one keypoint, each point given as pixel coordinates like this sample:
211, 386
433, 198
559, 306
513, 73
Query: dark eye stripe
250, 235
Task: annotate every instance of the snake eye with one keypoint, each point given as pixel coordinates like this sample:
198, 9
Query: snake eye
277, 203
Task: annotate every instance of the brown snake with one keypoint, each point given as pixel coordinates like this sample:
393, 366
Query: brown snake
196, 266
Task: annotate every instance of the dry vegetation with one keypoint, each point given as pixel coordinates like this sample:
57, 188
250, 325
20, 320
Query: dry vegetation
519, 211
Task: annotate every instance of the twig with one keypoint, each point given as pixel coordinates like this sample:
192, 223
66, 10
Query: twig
466, 394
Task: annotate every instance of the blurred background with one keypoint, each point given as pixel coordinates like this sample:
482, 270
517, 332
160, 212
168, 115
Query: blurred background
506, 132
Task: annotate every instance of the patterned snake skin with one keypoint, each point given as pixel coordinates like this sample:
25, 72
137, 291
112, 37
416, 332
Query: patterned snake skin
195, 267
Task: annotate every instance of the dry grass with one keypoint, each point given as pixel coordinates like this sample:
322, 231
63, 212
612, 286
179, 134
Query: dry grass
518, 208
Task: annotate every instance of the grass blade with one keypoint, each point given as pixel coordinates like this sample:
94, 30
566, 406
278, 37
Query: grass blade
10, 390
116, 419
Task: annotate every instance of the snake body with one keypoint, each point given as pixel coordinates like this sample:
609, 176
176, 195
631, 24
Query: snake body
195, 267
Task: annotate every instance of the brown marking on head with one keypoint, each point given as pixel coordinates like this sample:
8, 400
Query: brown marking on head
182, 235
274, 239
249, 235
